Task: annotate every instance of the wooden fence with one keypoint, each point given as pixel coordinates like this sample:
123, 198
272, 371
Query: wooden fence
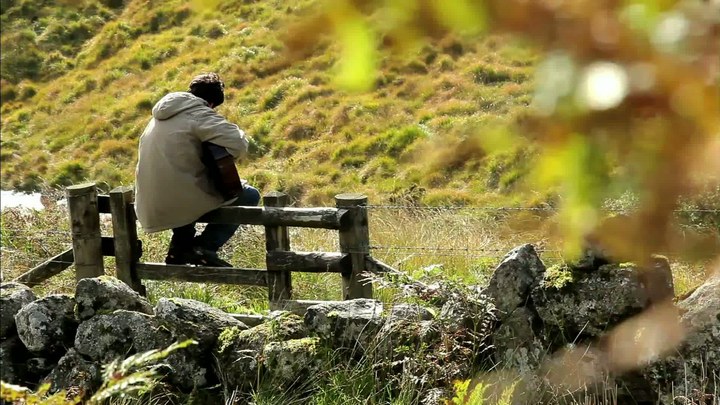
349, 218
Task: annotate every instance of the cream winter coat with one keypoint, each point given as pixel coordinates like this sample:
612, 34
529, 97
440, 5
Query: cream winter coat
172, 188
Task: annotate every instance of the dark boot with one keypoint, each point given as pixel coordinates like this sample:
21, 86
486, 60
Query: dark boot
195, 256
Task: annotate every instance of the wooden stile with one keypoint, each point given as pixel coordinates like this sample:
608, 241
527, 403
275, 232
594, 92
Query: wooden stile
220, 275
326, 218
127, 252
277, 239
349, 217
85, 223
309, 262
355, 240
47, 269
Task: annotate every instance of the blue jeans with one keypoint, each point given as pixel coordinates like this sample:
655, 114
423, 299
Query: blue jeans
215, 235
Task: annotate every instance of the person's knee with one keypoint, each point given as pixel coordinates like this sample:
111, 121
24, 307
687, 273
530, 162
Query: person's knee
251, 196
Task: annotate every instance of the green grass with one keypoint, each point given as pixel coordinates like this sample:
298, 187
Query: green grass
462, 245
110, 63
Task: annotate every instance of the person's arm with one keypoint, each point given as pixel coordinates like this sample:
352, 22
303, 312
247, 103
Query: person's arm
213, 127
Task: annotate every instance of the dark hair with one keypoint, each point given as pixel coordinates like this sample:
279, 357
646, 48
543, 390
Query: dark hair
208, 87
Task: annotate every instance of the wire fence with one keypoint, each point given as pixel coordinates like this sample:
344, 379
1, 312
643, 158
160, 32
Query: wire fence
444, 232
511, 209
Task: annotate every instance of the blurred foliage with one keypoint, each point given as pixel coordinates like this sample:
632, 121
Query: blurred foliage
626, 97
123, 379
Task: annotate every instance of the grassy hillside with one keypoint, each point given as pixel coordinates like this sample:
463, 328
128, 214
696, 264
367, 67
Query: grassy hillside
79, 80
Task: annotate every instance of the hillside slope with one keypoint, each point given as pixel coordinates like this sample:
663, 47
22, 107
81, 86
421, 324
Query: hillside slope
79, 79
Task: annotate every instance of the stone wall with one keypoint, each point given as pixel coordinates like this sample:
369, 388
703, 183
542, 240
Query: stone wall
531, 321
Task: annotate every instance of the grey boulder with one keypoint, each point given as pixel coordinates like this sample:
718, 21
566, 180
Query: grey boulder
692, 369
104, 338
239, 351
290, 362
511, 282
74, 374
105, 294
13, 296
350, 324
575, 305
189, 319
47, 325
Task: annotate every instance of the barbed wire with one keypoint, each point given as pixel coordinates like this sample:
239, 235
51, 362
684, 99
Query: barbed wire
541, 209
442, 249
13, 253
50, 231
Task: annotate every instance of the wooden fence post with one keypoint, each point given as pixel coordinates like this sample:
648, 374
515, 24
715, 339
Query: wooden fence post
355, 240
277, 239
82, 202
127, 251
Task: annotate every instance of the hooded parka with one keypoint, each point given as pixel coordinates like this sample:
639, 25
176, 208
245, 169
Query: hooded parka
172, 187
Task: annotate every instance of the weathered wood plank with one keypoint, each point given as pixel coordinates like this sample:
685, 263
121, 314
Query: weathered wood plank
277, 238
219, 275
376, 266
298, 307
309, 262
125, 237
85, 223
249, 319
326, 218
104, 204
355, 240
51, 267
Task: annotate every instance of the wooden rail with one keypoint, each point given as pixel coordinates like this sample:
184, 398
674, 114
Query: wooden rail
349, 218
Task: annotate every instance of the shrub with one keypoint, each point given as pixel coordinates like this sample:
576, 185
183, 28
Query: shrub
279, 92
27, 91
300, 131
353, 161
115, 36
488, 75
31, 183
113, 3
398, 140
215, 30
21, 60
109, 173
163, 19
69, 173
274, 99
116, 148
8, 91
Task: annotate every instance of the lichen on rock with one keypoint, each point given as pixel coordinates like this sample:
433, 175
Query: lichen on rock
47, 325
13, 296
350, 324
74, 371
291, 361
516, 344
238, 350
694, 367
588, 305
511, 282
190, 319
105, 294
107, 337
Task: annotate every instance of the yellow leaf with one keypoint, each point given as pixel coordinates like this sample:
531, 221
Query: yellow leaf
205, 4
357, 65
461, 15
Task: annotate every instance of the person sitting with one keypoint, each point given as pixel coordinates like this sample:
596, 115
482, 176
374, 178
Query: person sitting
172, 186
